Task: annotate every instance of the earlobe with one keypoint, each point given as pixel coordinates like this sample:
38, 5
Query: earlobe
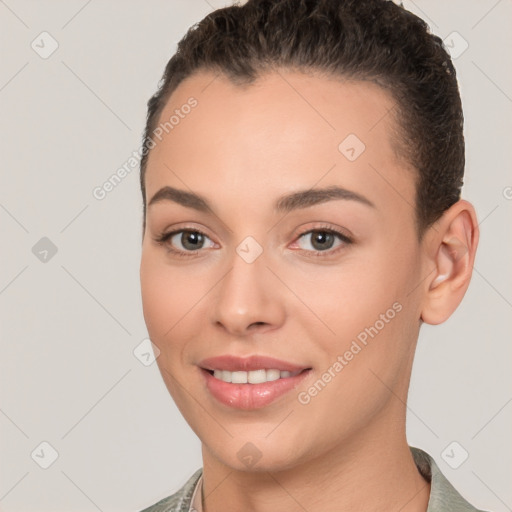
453, 247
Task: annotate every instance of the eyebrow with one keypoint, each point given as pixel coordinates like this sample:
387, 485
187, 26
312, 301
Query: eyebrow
286, 203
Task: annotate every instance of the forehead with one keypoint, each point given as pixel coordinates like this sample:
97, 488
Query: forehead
286, 130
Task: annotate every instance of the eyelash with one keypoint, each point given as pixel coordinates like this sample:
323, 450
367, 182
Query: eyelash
164, 237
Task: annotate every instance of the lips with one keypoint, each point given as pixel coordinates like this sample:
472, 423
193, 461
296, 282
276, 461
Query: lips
244, 391
246, 364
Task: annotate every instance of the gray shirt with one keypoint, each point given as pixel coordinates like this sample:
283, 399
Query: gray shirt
443, 496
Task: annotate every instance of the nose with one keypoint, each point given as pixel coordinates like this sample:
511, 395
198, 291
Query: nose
249, 298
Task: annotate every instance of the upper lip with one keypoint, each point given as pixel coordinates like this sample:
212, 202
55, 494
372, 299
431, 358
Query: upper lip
257, 362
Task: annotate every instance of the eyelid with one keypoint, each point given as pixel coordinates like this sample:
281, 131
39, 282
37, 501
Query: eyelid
163, 238
345, 238
342, 234
179, 229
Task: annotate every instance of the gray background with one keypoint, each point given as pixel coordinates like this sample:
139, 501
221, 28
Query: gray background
69, 325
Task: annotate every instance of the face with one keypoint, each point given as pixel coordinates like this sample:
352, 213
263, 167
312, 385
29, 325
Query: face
256, 259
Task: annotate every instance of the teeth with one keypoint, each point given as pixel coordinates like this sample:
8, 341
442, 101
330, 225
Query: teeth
254, 376
273, 374
238, 377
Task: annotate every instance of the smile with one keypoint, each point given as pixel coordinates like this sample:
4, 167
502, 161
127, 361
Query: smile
250, 383
254, 376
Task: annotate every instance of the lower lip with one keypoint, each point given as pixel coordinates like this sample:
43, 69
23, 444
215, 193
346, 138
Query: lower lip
250, 396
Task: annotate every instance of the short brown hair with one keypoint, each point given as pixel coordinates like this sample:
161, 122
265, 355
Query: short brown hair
373, 40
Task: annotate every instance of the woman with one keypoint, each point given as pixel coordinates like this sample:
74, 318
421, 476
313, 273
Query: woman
302, 218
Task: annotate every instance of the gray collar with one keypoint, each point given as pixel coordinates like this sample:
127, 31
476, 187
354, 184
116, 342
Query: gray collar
443, 496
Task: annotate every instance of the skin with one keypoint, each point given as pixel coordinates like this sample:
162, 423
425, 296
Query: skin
241, 149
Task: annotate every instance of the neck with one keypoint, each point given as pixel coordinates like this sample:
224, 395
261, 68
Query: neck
373, 471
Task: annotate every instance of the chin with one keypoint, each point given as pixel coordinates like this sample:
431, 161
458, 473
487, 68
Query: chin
258, 456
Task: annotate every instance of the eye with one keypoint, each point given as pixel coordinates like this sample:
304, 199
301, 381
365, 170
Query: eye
316, 242
323, 240
183, 241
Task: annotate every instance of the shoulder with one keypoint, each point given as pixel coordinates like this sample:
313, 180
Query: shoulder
180, 500
443, 496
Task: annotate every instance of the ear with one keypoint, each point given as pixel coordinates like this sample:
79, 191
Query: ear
450, 248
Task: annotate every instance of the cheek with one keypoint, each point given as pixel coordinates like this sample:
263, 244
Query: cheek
173, 303
165, 296
351, 296
155, 297
365, 299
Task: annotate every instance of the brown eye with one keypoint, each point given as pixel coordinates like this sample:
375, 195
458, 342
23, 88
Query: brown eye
184, 242
323, 240
190, 240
